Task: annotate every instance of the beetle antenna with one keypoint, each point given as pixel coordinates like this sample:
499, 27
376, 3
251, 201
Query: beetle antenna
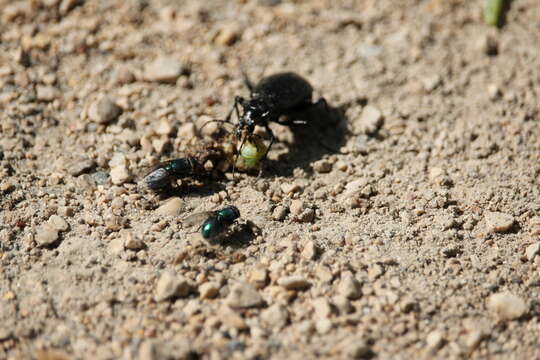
215, 121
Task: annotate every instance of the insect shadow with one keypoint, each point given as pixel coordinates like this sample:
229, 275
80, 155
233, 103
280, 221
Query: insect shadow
190, 190
240, 236
323, 133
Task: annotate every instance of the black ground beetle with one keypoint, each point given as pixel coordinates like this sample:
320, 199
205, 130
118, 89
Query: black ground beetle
274, 96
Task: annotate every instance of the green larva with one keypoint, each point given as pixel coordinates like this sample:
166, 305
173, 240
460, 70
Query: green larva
493, 11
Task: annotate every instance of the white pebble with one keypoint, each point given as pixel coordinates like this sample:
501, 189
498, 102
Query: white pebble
434, 340
103, 111
498, 222
120, 175
171, 207
349, 287
370, 120
322, 166
58, 223
507, 306
163, 69
532, 250
297, 207
170, 286
47, 93
46, 235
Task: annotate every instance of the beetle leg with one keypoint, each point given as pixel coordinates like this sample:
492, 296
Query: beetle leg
272, 138
322, 101
236, 156
237, 100
248, 82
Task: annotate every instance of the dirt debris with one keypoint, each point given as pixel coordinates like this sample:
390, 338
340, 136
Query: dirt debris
402, 223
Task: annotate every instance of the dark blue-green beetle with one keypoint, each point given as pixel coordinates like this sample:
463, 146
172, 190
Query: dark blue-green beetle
215, 223
161, 177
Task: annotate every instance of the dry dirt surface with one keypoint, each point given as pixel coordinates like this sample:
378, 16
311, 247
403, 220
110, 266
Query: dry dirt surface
402, 221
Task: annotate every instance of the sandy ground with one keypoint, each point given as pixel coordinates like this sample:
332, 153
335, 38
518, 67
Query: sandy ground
402, 223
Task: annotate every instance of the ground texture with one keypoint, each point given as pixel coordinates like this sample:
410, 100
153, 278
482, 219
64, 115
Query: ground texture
403, 222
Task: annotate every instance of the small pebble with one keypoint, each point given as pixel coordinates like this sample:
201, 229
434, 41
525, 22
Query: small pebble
507, 306
436, 174
288, 188
170, 286
116, 246
310, 250
354, 347
434, 341
279, 213
431, 82
308, 215
473, 339
498, 222
66, 211
275, 317
294, 282
209, 290
342, 304
322, 308
352, 188
342, 165
494, 92
124, 76
243, 295
100, 177
187, 131
131, 242
534, 225
56, 222
120, 175
375, 272
231, 319
350, 287
81, 166
46, 235
322, 166
164, 127
297, 206
532, 250
47, 93
323, 326
172, 207
259, 278
104, 110
370, 120
227, 35
164, 69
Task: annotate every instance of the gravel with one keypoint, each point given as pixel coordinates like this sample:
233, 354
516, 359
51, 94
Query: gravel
402, 223
165, 69
244, 296
507, 306
170, 286
499, 222
294, 282
104, 110
171, 207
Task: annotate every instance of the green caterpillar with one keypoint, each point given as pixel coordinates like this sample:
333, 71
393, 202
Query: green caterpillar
251, 153
493, 11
